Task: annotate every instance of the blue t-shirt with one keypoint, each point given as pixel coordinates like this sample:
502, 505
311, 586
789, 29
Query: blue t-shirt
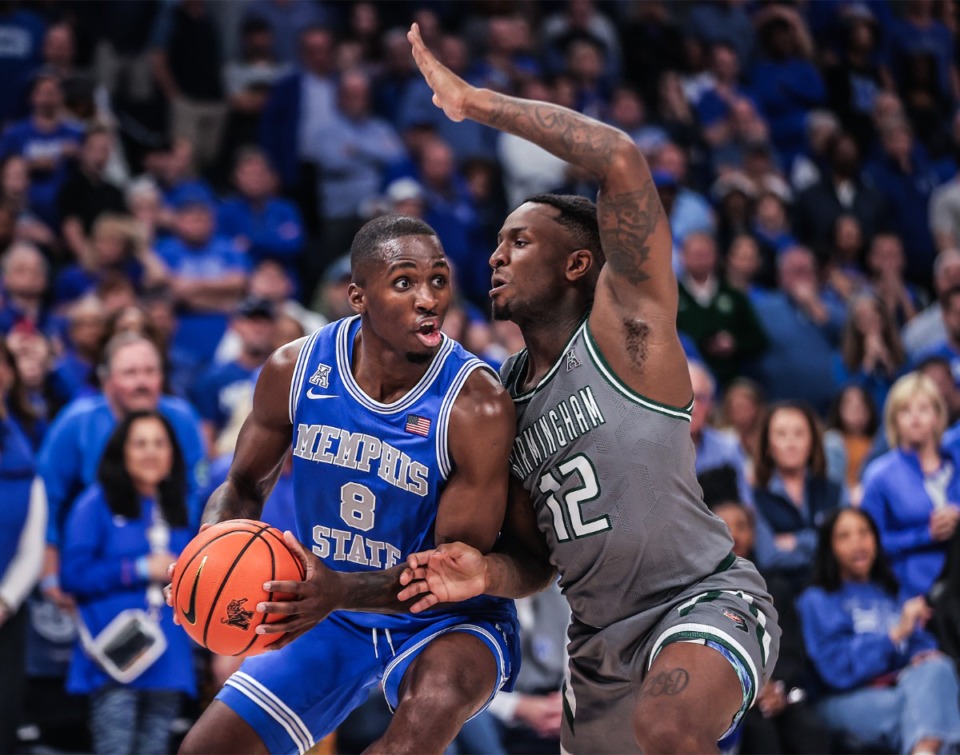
21, 42
275, 230
198, 333
24, 139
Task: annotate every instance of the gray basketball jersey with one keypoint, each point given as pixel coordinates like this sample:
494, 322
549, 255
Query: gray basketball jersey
611, 475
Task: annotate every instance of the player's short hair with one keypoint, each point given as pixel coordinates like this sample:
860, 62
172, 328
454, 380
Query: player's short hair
579, 216
367, 246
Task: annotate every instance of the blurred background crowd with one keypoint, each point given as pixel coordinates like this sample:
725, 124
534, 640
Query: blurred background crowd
179, 184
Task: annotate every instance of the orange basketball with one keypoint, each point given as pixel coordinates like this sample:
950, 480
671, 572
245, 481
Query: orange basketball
218, 581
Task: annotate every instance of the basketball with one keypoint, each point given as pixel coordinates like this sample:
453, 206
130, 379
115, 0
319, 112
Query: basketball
218, 582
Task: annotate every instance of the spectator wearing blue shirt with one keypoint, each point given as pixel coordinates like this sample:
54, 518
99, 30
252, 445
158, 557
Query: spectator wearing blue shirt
913, 490
121, 536
22, 32
886, 685
715, 448
260, 223
903, 175
208, 273
22, 521
132, 379
24, 275
803, 330
352, 150
784, 83
75, 369
48, 143
219, 390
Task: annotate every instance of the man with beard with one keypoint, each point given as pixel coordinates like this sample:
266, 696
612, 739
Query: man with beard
672, 635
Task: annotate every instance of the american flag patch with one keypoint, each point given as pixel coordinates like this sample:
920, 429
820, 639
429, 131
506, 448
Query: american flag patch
417, 425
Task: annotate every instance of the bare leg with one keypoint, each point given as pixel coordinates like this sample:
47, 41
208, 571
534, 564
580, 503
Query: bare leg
221, 730
444, 686
687, 701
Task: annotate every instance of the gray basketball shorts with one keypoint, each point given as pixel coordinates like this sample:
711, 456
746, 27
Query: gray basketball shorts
729, 611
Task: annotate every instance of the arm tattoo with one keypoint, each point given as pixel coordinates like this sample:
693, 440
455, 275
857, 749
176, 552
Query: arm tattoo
376, 591
565, 133
671, 682
626, 223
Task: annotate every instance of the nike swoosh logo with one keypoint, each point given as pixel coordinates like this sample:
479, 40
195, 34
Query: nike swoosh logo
311, 394
191, 613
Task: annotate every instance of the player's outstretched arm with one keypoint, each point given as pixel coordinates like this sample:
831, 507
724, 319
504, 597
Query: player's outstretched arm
634, 312
262, 444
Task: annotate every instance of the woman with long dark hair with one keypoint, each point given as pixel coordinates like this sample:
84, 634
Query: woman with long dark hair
886, 684
23, 517
121, 536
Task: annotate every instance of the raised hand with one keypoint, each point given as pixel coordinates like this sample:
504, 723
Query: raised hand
320, 593
449, 90
451, 573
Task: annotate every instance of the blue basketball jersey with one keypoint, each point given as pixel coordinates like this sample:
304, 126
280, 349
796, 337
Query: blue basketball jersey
368, 476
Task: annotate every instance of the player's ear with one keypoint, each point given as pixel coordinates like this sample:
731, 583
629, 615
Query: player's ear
579, 263
357, 298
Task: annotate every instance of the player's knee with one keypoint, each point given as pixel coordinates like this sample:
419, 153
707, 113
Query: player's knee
662, 732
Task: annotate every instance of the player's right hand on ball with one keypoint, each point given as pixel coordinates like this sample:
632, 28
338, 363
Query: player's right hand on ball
451, 573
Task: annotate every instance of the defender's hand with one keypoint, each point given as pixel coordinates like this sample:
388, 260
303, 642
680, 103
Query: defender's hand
449, 90
451, 573
319, 594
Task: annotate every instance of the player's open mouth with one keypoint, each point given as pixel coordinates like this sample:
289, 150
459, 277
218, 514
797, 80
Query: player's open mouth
429, 333
497, 285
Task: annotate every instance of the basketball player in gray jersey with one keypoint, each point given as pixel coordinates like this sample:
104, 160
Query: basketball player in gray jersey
672, 635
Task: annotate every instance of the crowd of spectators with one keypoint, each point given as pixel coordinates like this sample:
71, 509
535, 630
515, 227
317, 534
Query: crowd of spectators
180, 182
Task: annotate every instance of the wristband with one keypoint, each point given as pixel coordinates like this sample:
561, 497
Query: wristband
49, 582
142, 568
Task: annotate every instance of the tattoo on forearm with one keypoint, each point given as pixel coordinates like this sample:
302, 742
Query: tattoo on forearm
376, 591
626, 223
671, 682
567, 134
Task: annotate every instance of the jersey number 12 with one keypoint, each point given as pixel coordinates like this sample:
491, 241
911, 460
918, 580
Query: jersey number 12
568, 522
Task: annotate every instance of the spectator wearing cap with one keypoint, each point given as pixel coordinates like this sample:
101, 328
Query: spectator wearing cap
270, 281
331, 299
803, 328
719, 318
48, 143
260, 223
352, 150
208, 274
87, 194
840, 191
221, 386
132, 377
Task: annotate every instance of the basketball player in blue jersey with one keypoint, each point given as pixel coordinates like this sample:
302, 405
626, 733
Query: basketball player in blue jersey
401, 441
672, 635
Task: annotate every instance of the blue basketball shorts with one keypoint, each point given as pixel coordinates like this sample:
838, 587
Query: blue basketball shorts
295, 696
